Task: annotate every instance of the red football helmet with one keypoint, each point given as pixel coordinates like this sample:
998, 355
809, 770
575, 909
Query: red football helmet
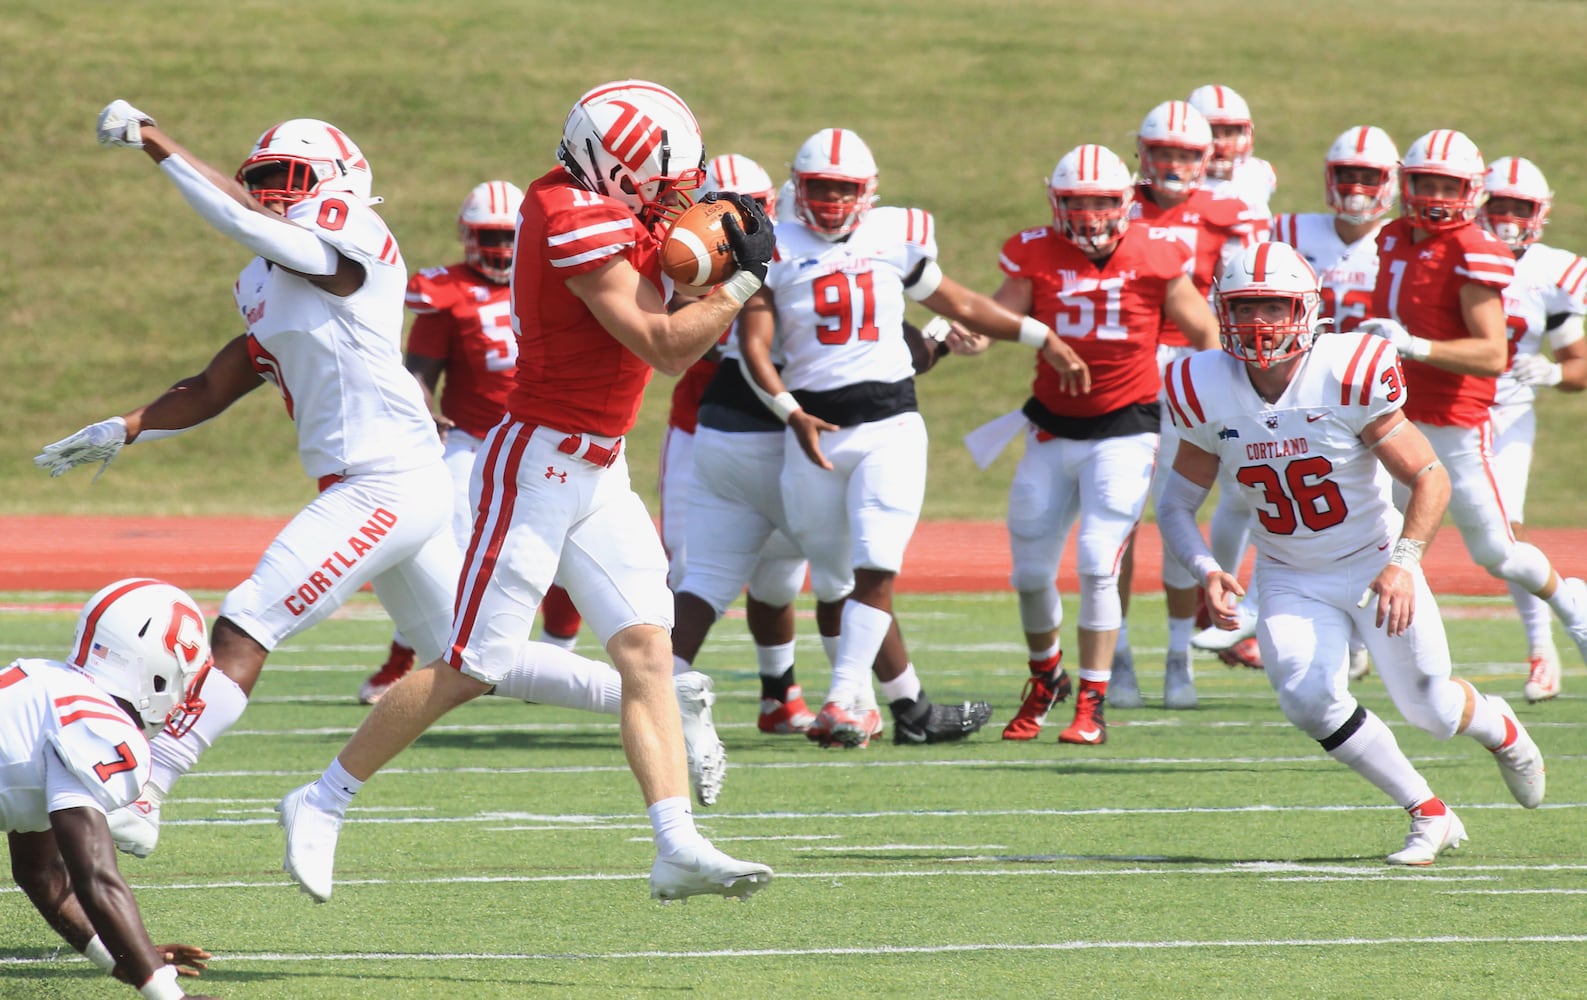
1272, 272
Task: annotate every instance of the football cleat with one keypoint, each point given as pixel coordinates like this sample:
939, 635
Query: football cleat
856, 731
1245, 653
1179, 684
702, 870
311, 842
791, 716
706, 755
1042, 692
1216, 640
1543, 681
1520, 761
1089, 728
920, 720
1431, 834
135, 827
1124, 691
398, 662
1360, 662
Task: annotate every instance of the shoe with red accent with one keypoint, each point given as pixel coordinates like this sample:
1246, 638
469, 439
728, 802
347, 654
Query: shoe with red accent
1089, 727
1543, 681
1520, 761
398, 662
785, 717
831, 715
1245, 653
1434, 829
855, 731
1042, 692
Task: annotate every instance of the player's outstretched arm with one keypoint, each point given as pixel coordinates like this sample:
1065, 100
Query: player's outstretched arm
229, 376
1409, 457
1188, 310
991, 318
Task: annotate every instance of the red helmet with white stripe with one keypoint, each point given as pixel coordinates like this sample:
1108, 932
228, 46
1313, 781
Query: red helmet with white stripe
143, 641
1226, 113
738, 173
1515, 178
486, 224
1174, 125
1359, 149
1267, 303
841, 158
1442, 153
316, 157
635, 141
1084, 175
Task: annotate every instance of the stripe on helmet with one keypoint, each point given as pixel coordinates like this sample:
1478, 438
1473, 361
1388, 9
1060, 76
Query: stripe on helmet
91, 620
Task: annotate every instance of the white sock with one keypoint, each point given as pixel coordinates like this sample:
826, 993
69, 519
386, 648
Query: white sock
1372, 752
680, 665
1124, 636
1179, 630
672, 823
224, 703
335, 789
1536, 619
547, 675
774, 661
1487, 725
906, 686
864, 628
829, 645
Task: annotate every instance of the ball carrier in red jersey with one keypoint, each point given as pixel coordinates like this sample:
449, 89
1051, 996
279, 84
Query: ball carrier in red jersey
590, 309
1439, 300
1304, 425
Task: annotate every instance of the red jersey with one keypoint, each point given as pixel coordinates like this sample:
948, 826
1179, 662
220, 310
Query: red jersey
1112, 315
1419, 285
572, 374
1206, 223
466, 322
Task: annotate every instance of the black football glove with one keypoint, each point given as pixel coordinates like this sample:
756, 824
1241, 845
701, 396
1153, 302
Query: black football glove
753, 244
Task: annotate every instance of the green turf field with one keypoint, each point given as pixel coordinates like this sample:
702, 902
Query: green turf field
1213, 853
110, 288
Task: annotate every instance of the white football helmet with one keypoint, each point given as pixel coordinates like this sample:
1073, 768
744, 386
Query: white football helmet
1442, 153
317, 156
834, 154
1268, 271
1174, 125
785, 202
491, 208
635, 141
1221, 106
1091, 171
742, 175
144, 641
1365, 147
1518, 178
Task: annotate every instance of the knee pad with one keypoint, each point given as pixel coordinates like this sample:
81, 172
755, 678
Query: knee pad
1040, 610
1099, 603
1523, 563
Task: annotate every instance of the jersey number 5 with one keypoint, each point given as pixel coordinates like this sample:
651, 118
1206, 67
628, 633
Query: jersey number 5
1305, 495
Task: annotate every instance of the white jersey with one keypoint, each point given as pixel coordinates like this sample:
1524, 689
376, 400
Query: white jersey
840, 306
1254, 182
1347, 272
1299, 462
1549, 285
64, 744
337, 360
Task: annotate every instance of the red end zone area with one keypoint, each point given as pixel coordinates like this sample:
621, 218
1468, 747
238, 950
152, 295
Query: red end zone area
215, 553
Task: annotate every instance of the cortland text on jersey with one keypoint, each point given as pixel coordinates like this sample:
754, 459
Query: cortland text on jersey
369, 535
1262, 451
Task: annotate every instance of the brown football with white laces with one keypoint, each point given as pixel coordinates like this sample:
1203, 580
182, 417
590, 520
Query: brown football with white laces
696, 252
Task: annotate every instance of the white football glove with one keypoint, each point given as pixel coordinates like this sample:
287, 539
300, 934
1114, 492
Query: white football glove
1534, 369
95, 443
1409, 346
121, 124
936, 329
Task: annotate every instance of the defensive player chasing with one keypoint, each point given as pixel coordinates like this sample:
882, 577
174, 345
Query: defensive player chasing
1302, 423
74, 746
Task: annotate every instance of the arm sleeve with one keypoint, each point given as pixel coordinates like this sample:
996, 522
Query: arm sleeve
274, 239
1176, 522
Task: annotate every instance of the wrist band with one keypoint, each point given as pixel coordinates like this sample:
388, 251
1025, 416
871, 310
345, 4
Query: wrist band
1418, 348
96, 952
1033, 332
162, 985
740, 286
784, 405
1204, 567
1407, 553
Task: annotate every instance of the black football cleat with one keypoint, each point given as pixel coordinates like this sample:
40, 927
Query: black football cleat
922, 721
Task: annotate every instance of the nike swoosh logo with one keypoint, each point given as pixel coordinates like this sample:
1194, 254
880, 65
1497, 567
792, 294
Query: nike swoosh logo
1312, 418
1384, 546
912, 737
1089, 734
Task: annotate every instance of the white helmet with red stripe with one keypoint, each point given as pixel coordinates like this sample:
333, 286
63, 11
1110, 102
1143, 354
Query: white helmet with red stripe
143, 641
1169, 126
1442, 153
486, 224
836, 155
635, 141
738, 173
1362, 148
1091, 172
1516, 178
1268, 271
1226, 112
316, 156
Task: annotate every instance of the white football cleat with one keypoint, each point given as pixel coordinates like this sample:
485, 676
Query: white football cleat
1521, 762
702, 870
1216, 640
135, 827
311, 842
1124, 691
1179, 684
1543, 681
706, 755
1429, 836
1360, 662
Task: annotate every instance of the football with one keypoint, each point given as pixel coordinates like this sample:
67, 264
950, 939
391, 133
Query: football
696, 253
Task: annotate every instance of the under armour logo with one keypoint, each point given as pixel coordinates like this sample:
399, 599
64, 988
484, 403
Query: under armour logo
552, 473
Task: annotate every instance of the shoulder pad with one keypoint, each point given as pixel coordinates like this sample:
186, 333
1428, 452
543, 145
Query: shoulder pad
100, 745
